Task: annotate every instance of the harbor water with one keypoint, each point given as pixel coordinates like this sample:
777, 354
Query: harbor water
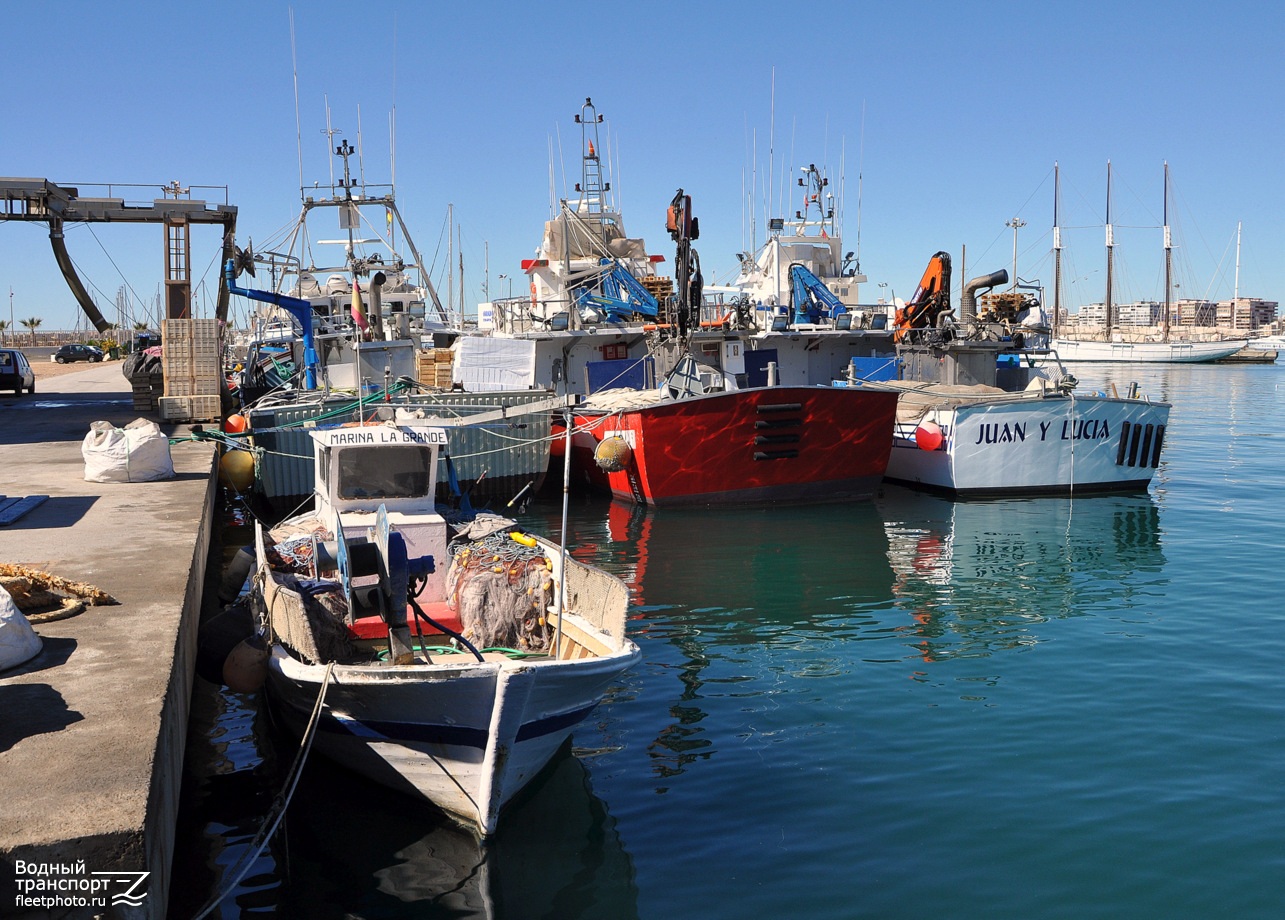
911, 707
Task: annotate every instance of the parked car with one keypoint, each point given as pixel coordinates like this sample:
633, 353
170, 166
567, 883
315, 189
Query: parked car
15, 373
78, 352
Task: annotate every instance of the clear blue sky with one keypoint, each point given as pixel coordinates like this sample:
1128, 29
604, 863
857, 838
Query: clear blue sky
966, 107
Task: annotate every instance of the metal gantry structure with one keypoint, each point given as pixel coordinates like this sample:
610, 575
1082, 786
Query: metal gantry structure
56, 205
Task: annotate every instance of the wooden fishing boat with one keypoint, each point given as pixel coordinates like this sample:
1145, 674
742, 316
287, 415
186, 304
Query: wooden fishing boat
513, 643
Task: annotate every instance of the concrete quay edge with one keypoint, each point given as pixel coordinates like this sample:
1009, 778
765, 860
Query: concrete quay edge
93, 730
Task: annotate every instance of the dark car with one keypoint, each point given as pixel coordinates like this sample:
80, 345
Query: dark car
15, 373
78, 352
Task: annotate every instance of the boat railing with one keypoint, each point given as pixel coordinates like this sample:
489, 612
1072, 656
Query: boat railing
597, 598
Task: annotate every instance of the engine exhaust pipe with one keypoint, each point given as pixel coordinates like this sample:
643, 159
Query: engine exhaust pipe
968, 299
377, 306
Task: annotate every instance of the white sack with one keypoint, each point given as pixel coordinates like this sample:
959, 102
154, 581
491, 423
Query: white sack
18, 641
139, 452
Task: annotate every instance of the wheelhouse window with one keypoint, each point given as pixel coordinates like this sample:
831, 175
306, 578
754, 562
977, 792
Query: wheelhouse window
387, 471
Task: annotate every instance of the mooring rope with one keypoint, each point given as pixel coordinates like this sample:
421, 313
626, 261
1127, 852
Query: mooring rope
279, 804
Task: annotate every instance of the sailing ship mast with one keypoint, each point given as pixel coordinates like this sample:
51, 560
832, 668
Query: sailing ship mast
1107, 311
450, 259
1057, 252
1164, 322
1235, 293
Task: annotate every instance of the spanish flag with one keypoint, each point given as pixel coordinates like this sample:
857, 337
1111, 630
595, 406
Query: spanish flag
358, 311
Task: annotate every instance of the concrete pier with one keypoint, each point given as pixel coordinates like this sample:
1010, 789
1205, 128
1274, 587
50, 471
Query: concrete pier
92, 730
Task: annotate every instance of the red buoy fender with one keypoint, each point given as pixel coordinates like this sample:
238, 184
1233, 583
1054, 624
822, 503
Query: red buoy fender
928, 436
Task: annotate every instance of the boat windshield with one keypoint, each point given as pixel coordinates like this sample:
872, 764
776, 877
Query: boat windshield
386, 471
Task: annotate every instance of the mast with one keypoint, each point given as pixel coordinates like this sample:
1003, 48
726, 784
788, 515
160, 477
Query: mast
591, 187
1235, 295
1164, 322
1057, 251
450, 259
1110, 258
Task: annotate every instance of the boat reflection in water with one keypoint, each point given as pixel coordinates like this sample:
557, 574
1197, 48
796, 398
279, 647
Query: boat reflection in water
373, 852
557, 854
982, 576
819, 558
730, 605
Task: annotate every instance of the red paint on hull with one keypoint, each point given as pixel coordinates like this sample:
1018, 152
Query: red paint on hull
769, 444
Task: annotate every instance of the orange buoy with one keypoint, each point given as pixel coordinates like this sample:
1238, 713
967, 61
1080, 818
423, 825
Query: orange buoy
236, 424
236, 469
928, 436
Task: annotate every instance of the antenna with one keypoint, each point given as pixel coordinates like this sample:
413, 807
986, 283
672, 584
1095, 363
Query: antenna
771, 144
361, 163
553, 195
298, 130
754, 188
861, 168
561, 160
330, 141
392, 146
392, 117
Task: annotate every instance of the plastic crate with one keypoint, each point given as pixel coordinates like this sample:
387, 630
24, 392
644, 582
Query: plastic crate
190, 408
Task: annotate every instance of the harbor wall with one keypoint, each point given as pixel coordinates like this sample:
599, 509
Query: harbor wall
93, 729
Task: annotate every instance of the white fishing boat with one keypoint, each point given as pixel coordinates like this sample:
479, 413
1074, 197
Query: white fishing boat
599, 313
508, 644
593, 295
768, 284
977, 417
373, 336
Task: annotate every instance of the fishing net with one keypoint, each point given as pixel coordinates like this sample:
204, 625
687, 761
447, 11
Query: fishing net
502, 590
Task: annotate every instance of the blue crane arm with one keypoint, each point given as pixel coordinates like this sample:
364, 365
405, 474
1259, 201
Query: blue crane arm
299, 309
811, 298
621, 294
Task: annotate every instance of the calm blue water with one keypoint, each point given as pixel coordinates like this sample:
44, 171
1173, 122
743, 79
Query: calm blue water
907, 708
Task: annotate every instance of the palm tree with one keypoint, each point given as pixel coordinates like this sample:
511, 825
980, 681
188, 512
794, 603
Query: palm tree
32, 325
4, 324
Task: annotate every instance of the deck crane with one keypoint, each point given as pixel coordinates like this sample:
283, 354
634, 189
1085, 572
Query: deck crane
931, 300
684, 229
615, 292
810, 298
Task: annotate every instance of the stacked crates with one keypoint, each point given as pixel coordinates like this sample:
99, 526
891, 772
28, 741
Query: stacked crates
191, 359
435, 367
659, 286
147, 391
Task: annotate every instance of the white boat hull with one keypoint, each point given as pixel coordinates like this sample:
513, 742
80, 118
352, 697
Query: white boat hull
1267, 343
466, 736
1145, 352
1054, 445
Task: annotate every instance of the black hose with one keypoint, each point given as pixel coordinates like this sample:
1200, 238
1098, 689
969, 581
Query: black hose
445, 629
